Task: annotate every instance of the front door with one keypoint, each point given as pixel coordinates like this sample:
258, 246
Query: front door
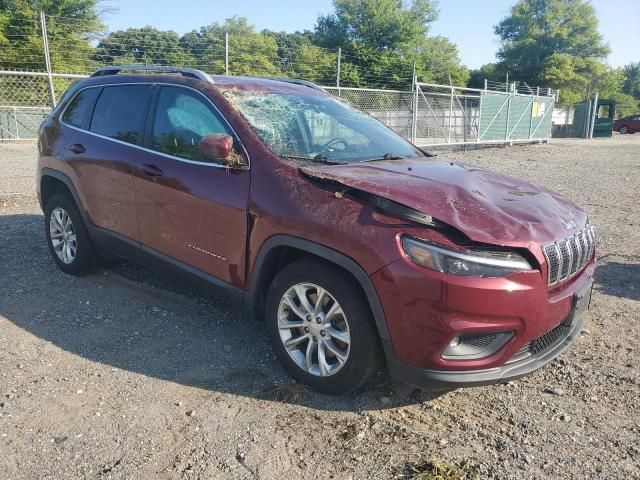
191, 209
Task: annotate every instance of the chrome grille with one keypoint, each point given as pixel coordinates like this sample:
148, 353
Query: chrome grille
566, 257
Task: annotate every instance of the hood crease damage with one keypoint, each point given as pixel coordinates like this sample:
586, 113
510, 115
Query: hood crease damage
484, 207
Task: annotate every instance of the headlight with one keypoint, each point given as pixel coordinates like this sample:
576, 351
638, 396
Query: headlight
473, 263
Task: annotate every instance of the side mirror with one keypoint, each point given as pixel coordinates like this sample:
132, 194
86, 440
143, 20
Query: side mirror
216, 146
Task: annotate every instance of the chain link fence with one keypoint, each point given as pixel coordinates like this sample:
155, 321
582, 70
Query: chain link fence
426, 114
456, 116
574, 120
392, 107
26, 99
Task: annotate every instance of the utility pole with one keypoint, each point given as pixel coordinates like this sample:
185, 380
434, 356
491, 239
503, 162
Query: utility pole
47, 58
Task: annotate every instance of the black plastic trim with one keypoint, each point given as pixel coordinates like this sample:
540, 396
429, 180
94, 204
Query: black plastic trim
50, 172
118, 245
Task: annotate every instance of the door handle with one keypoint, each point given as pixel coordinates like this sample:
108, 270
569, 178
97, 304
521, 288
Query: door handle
151, 170
77, 148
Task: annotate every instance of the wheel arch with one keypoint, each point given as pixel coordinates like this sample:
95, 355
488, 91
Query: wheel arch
280, 250
53, 182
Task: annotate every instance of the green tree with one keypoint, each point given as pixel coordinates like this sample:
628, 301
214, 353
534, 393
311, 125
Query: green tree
631, 84
437, 61
71, 25
250, 53
141, 45
299, 57
488, 71
554, 43
381, 40
379, 24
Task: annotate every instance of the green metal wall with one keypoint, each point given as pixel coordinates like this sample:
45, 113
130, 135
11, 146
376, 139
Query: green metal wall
514, 117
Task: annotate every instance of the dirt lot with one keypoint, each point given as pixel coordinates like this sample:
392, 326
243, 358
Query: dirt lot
127, 374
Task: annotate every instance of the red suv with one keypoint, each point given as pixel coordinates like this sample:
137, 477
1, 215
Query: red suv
357, 248
630, 124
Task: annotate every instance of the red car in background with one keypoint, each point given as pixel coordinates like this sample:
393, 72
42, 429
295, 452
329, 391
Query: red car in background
630, 124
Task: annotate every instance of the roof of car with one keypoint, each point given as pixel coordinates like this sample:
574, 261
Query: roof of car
264, 83
116, 73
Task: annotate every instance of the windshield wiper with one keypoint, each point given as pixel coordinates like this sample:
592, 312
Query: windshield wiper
386, 156
318, 158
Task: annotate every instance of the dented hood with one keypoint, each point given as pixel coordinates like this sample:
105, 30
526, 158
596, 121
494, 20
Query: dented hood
487, 207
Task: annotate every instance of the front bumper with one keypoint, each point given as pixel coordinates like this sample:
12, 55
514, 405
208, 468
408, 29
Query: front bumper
425, 310
441, 379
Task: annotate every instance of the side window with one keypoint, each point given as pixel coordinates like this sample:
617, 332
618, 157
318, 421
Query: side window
81, 105
325, 128
181, 120
121, 112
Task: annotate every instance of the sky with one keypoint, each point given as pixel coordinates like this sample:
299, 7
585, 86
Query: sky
467, 23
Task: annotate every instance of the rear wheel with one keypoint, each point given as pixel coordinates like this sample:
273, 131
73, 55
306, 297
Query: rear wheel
624, 130
67, 236
321, 328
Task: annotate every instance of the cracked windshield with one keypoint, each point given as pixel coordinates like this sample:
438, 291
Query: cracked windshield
318, 128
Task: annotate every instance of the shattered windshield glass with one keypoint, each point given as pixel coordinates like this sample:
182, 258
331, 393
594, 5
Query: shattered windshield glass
317, 127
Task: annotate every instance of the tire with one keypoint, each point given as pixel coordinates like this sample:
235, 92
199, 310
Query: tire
624, 130
81, 259
363, 352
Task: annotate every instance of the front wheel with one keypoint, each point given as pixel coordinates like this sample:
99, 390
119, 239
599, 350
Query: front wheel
624, 130
321, 328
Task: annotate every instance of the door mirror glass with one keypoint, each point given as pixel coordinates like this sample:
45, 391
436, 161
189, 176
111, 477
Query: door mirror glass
216, 147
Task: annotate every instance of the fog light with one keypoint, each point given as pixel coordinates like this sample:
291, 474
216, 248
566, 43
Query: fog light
471, 346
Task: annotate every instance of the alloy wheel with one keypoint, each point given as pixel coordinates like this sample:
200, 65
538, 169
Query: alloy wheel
314, 329
63, 235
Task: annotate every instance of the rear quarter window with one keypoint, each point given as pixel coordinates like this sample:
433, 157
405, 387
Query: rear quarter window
79, 109
121, 112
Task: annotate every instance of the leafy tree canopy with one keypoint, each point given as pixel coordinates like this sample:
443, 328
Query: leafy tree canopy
631, 84
72, 25
554, 43
382, 39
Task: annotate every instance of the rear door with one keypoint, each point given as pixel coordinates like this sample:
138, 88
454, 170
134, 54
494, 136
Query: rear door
103, 154
191, 209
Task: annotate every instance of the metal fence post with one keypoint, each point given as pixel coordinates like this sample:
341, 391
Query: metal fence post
506, 127
592, 120
15, 121
47, 58
338, 71
414, 113
586, 125
464, 120
531, 117
450, 115
226, 53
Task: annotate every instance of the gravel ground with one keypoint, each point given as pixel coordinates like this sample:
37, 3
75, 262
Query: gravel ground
128, 374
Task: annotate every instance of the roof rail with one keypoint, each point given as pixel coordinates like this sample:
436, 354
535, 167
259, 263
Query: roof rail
297, 81
187, 72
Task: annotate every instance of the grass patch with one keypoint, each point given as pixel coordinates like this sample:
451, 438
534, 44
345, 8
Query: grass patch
436, 470
285, 392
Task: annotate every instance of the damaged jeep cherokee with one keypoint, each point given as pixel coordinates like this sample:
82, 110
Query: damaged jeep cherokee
358, 249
